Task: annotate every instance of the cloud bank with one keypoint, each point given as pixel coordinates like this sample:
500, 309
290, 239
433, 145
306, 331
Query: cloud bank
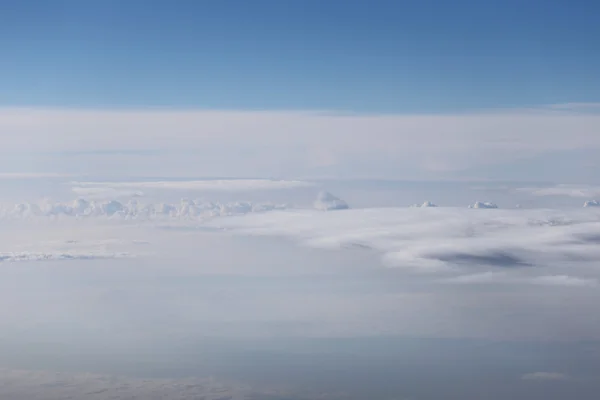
135, 210
250, 144
434, 239
485, 246
447, 240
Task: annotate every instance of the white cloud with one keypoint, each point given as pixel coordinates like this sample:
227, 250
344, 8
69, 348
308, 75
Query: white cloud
489, 246
345, 292
134, 209
479, 204
422, 239
425, 204
592, 203
326, 201
442, 239
545, 376
234, 143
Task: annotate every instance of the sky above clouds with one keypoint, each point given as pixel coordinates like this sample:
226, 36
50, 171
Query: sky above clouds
383, 56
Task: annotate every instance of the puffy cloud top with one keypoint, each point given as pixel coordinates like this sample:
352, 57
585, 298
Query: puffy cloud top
425, 205
326, 201
479, 204
133, 209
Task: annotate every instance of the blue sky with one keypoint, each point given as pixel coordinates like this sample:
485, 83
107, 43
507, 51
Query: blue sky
362, 56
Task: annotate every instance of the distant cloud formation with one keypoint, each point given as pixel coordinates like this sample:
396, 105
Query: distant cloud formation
425, 204
59, 256
592, 203
545, 376
437, 270
326, 201
136, 210
479, 204
440, 239
484, 247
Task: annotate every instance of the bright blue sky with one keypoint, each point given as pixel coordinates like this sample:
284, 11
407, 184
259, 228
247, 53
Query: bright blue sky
386, 56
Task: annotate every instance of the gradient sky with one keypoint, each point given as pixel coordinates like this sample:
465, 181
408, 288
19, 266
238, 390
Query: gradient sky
364, 56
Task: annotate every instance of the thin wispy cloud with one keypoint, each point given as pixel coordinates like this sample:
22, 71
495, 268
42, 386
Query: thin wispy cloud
30, 175
105, 192
59, 256
501, 278
545, 376
583, 191
228, 185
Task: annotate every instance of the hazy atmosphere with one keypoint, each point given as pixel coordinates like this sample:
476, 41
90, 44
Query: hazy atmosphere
310, 200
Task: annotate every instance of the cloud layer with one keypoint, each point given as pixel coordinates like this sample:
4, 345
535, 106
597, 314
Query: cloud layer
538, 247
447, 240
426, 239
238, 143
